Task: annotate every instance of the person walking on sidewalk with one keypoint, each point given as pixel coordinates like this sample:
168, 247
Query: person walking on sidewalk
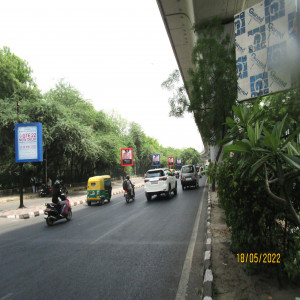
32, 182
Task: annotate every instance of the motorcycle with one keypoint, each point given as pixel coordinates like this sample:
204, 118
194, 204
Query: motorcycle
128, 195
52, 212
45, 191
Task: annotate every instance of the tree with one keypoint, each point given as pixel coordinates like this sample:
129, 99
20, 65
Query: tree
190, 156
265, 148
16, 81
211, 85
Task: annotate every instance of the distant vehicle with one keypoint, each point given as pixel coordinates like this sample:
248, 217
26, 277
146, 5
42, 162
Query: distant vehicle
198, 169
98, 189
177, 174
189, 176
160, 181
45, 191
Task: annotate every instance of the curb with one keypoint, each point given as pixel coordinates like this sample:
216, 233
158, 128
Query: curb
39, 210
207, 272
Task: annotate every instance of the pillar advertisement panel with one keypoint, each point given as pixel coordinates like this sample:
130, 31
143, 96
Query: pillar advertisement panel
126, 157
28, 142
267, 48
170, 161
155, 160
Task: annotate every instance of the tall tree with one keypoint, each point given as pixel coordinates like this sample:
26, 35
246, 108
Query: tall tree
211, 86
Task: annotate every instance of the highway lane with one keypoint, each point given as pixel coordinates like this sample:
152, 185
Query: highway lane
114, 251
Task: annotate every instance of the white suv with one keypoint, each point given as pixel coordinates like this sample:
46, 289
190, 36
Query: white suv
160, 181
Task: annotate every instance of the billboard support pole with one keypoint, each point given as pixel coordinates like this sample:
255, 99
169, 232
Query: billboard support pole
21, 186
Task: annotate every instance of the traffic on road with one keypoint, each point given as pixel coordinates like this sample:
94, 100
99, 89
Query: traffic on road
117, 250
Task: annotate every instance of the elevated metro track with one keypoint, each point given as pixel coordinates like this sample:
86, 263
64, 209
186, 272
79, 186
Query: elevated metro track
179, 16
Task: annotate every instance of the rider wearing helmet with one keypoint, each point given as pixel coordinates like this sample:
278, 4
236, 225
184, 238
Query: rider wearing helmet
56, 191
127, 184
57, 194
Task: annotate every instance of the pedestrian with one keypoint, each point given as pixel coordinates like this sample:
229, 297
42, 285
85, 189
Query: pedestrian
36, 184
32, 182
49, 182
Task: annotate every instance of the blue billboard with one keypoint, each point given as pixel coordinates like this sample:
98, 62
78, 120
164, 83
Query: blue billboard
28, 142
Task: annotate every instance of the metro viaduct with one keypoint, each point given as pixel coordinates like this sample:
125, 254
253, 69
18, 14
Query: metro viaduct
179, 16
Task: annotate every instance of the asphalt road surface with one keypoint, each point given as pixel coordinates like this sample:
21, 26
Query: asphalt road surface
141, 250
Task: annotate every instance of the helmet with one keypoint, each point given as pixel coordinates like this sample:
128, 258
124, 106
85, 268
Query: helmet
57, 182
127, 177
63, 197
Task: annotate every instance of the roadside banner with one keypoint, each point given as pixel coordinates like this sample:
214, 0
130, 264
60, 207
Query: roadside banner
28, 142
170, 161
267, 48
155, 160
126, 157
178, 162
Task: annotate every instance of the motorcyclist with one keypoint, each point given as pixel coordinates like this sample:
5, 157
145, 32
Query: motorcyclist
57, 194
129, 185
63, 204
56, 191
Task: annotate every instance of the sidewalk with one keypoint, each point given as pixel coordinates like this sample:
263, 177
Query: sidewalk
37, 208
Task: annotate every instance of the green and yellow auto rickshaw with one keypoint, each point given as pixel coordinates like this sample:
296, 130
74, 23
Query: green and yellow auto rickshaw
99, 189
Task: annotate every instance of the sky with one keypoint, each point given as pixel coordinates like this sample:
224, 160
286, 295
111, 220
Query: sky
115, 53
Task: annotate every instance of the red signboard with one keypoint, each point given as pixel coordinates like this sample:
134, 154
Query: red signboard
126, 157
170, 161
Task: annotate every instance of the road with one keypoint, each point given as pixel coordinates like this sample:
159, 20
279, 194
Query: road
140, 250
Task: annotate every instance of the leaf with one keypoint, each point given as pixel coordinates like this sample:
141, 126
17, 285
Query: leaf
230, 122
238, 147
259, 163
258, 149
291, 136
270, 140
277, 130
238, 111
292, 150
292, 160
251, 135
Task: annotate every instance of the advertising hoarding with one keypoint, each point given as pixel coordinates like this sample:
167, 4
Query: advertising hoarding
155, 160
170, 161
28, 142
126, 157
178, 162
267, 51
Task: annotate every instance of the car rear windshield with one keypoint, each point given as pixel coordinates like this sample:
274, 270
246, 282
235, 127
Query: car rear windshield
152, 174
188, 169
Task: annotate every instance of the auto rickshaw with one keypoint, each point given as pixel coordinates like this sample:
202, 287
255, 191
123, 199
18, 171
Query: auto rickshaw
99, 189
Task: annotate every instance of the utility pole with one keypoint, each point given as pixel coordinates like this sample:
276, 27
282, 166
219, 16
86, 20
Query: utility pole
21, 164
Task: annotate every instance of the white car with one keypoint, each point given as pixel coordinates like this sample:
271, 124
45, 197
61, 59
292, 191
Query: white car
160, 181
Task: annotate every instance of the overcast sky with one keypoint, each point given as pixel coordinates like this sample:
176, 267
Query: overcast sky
116, 53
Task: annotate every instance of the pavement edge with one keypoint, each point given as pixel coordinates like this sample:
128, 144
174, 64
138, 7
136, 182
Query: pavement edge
207, 288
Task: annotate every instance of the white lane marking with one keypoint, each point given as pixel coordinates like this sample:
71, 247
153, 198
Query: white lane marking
117, 227
185, 274
6, 296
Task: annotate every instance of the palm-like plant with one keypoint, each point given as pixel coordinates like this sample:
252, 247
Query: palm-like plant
267, 153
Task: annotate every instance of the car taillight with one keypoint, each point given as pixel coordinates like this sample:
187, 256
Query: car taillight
181, 177
195, 176
163, 178
146, 180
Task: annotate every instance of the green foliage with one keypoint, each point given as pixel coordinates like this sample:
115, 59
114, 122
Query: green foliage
212, 83
190, 156
78, 141
15, 76
259, 186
